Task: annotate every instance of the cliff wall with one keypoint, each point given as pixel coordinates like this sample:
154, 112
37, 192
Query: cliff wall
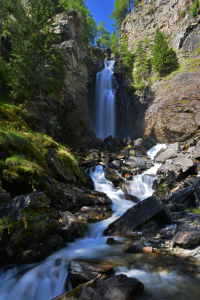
67, 119
170, 107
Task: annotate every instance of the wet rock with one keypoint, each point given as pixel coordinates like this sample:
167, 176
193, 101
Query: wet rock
15, 207
133, 198
119, 287
180, 164
66, 198
183, 196
135, 248
147, 250
81, 271
73, 226
127, 141
4, 197
54, 243
168, 153
138, 215
95, 213
112, 176
137, 162
66, 234
113, 242
127, 170
32, 256
187, 237
176, 207
115, 164
197, 193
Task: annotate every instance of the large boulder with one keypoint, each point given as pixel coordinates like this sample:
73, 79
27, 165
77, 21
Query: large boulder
119, 287
137, 215
32, 201
81, 271
183, 196
138, 162
187, 237
112, 176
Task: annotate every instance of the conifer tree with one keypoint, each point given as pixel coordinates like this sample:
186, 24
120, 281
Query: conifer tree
114, 43
88, 23
163, 57
121, 9
126, 63
103, 36
141, 65
36, 66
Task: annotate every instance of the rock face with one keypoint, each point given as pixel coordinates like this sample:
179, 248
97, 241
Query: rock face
67, 119
137, 216
119, 287
169, 109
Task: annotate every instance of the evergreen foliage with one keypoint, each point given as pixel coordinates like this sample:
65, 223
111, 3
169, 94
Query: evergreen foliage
88, 23
126, 63
103, 36
36, 67
194, 8
114, 39
121, 9
142, 66
163, 57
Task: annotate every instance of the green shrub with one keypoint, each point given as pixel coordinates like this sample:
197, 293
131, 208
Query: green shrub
194, 7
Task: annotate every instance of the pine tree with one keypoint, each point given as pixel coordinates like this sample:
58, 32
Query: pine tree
121, 9
114, 43
36, 66
103, 36
163, 57
141, 65
88, 23
126, 63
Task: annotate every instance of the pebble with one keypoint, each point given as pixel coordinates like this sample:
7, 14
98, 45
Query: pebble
147, 250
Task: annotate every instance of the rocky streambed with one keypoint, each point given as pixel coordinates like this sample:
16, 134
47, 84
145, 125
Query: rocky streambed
154, 239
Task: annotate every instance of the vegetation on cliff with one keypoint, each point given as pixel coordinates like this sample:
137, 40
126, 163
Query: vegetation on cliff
163, 57
24, 152
121, 9
31, 63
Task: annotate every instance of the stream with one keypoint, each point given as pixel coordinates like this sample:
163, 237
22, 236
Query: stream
46, 280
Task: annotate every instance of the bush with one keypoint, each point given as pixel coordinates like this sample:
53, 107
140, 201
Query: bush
193, 10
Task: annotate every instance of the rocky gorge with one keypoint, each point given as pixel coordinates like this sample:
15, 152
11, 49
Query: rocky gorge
120, 218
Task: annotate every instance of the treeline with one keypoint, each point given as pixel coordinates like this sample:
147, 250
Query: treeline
31, 64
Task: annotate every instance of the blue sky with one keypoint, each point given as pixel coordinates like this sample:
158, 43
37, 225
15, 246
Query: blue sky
101, 10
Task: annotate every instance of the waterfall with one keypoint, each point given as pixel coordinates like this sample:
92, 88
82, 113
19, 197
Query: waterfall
105, 101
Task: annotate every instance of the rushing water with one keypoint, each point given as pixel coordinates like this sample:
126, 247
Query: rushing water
105, 101
47, 280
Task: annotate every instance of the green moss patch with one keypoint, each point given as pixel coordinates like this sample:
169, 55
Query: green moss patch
23, 151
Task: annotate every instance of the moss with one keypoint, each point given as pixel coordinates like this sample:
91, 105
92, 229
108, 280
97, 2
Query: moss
132, 152
197, 51
74, 293
162, 189
68, 161
182, 14
188, 65
4, 223
193, 210
24, 150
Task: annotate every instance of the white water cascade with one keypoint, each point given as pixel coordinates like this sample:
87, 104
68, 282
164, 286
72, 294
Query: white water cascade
46, 280
105, 101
